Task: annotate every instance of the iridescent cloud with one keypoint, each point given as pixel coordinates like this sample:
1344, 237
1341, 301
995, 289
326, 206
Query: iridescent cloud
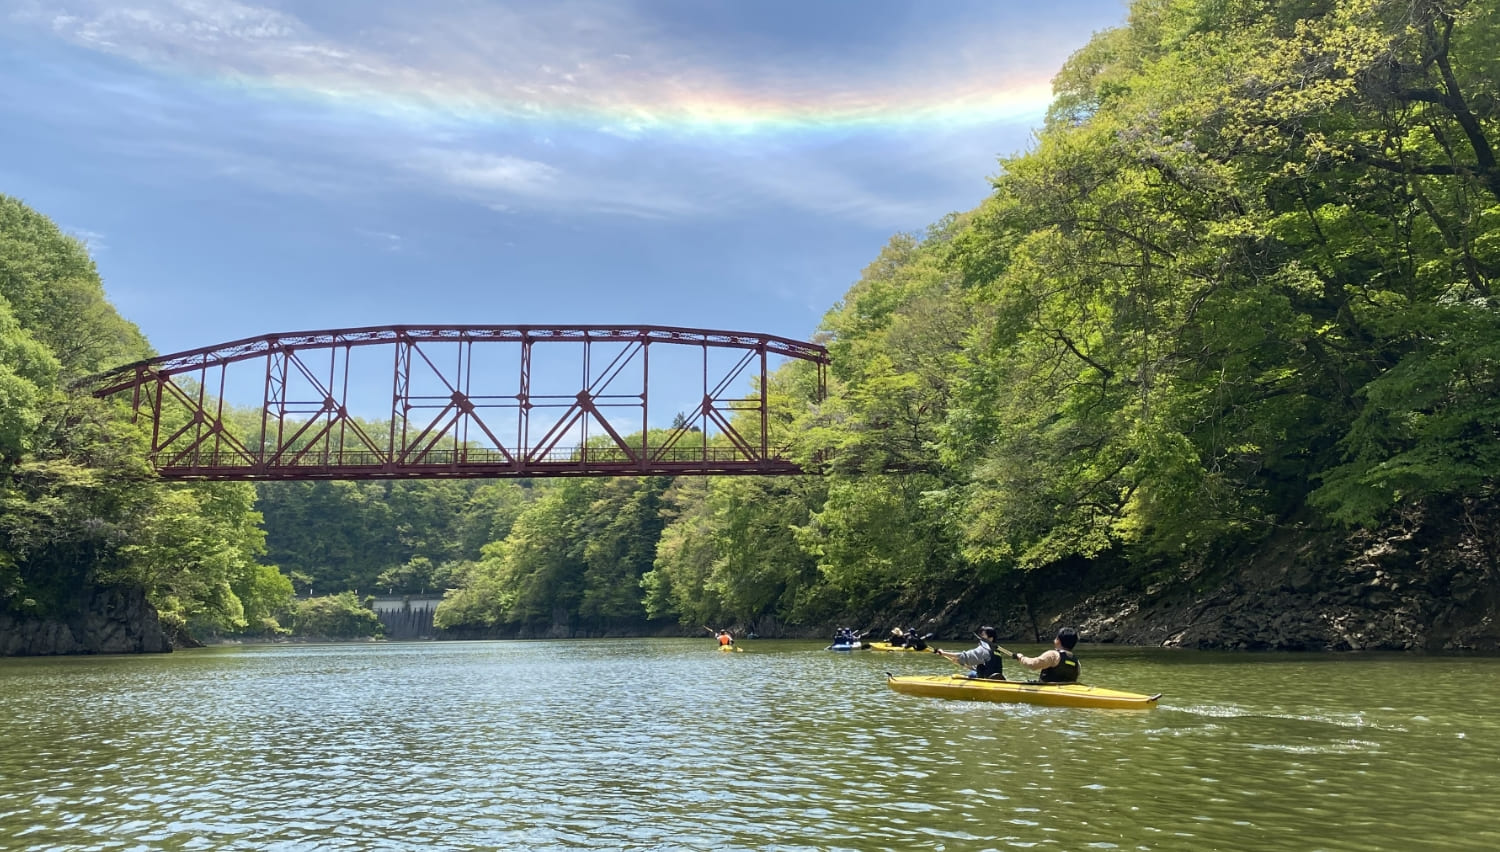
583, 65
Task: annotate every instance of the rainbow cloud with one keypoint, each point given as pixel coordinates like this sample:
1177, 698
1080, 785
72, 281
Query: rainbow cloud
564, 106
575, 65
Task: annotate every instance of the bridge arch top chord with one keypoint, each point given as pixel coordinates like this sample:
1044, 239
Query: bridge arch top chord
450, 428
257, 347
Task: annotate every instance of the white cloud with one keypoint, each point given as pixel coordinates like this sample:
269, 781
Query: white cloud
494, 172
140, 29
505, 183
595, 62
572, 105
387, 241
92, 240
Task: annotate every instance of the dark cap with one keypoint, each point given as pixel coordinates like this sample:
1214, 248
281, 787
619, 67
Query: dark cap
987, 632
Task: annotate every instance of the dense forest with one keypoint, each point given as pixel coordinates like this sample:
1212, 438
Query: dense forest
79, 508
1233, 308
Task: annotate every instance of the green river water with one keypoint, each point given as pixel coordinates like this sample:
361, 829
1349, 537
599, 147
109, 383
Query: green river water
667, 744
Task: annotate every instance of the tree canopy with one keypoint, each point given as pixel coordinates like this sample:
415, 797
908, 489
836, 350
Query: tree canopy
1242, 280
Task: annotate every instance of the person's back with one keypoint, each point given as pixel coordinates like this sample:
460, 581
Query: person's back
1059, 664
990, 668
1067, 668
1066, 671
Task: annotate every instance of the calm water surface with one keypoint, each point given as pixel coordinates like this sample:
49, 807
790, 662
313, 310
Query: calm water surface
667, 744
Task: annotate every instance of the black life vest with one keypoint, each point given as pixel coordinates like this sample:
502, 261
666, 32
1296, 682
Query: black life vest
990, 668
1065, 671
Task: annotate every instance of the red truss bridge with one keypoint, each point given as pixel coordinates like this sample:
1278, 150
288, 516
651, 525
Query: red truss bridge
465, 401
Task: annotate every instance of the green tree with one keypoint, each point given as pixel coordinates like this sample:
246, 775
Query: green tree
339, 616
79, 506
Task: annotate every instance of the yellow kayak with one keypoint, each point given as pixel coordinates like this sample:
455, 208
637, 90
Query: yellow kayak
731, 648
1050, 694
886, 646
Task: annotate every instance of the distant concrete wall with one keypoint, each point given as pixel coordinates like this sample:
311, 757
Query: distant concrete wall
408, 616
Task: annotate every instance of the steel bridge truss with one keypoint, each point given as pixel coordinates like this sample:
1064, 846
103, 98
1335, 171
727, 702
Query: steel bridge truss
463, 401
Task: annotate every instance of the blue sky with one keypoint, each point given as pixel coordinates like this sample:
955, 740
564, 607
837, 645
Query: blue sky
239, 168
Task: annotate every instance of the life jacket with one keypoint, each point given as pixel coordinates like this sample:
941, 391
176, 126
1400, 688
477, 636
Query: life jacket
726, 639
990, 668
1065, 671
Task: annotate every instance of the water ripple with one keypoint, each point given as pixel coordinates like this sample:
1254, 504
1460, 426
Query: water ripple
666, 745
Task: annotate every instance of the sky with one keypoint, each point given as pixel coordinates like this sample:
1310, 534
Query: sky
241, 168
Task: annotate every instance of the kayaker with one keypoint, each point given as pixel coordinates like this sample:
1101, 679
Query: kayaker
725, 637
898, 638
981, 659
1058, 665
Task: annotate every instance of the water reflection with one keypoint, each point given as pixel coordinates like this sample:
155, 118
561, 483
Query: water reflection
663, 744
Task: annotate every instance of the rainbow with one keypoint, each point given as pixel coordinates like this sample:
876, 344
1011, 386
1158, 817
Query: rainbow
640, 111
274, 55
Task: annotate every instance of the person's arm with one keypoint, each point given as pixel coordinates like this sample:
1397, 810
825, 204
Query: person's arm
964, 659
973, 657
1047, 660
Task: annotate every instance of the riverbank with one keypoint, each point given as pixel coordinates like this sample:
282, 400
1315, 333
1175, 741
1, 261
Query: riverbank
1428, 582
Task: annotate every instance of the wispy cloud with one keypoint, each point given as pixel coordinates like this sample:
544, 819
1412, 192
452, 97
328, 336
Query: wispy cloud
576, 105
491, 172
93, 240
506, 182
576, 59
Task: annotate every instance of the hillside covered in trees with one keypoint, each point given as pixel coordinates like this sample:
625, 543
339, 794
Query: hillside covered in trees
1216, 365
1227, 331
87, 535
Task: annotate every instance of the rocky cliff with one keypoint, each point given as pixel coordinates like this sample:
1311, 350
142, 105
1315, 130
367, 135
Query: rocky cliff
102, 620
1428, 581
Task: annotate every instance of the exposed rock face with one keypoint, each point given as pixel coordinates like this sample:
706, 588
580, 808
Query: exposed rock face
102, 620
1430, 582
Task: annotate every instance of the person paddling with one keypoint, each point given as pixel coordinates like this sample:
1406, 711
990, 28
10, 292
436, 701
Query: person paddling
982, 659
1058, 665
